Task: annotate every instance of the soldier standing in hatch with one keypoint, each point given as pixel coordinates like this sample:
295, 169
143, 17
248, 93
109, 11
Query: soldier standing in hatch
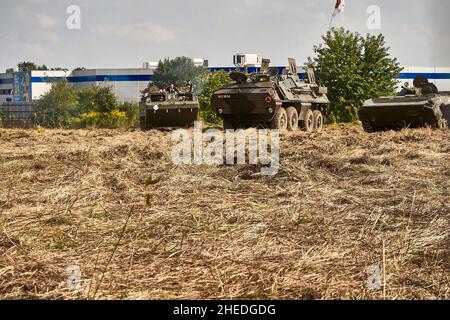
406, 90
190, 87
172, 89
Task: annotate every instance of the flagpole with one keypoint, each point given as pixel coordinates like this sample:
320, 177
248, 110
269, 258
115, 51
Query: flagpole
329, 28
331, 20
339, 8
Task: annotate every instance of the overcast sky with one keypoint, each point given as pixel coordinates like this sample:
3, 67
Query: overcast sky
125, 33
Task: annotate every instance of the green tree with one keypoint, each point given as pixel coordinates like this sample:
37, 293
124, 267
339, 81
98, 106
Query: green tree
56, 107
354, 68
97, 99
177, 71
86, 100
99, 107
104, 99
211, 83
27, 66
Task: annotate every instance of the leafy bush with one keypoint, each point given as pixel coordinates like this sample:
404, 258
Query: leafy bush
354, 68
212, 83
113, 119
86, 100
131, 110
59, 105
104, 100
65, 107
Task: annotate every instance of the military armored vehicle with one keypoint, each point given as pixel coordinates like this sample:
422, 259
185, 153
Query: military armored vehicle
414, 107
268, 100
159, 109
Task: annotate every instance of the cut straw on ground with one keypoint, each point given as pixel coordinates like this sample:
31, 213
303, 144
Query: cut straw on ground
224, 232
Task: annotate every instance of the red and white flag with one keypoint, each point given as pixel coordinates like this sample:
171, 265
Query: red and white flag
339, 8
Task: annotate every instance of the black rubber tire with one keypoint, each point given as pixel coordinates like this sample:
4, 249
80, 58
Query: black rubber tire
292, 116
367, 126
280, 121
143, 124
318, 121
308, 124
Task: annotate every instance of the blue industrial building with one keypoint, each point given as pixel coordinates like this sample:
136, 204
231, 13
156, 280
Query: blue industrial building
127, 84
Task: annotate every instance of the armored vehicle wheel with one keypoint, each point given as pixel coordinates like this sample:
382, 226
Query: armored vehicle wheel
143, 124
367, 126
318, 121
308, 123
292, 116
280, 121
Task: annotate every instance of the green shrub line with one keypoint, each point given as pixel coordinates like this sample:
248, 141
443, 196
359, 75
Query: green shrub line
97, 107
211, 83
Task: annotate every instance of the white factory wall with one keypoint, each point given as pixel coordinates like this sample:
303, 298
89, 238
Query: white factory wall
126, 84
42, 81
437, 75
77, 78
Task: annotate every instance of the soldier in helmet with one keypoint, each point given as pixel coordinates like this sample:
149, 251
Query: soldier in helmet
190, 87
172, 89
406, 90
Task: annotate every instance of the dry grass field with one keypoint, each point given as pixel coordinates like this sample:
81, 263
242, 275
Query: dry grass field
139, 227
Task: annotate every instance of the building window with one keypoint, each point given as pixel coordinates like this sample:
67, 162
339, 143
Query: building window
5, 92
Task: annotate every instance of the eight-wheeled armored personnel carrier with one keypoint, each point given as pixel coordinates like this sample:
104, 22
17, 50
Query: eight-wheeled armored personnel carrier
412, 108
162, 110
282, 102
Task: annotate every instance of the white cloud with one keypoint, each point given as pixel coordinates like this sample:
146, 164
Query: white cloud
33, 50
138, 32
50, 37
45, 21
21, 12
40, 19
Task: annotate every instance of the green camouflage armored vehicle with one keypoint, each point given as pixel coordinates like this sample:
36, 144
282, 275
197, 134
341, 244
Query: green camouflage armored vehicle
159, 109
283, 102
415, 107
